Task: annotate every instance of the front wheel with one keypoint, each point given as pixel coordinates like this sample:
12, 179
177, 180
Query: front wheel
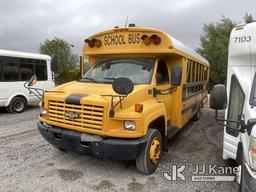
17, 105
148, 159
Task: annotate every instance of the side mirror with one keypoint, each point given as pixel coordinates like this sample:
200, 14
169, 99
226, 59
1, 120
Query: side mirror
32, 81
54, 64
218, 98
123, 86
176, 75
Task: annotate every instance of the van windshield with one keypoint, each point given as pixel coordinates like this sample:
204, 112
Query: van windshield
138, 70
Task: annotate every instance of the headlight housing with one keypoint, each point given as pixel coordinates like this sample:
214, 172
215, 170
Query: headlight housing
130, 125
43, 111
252, 152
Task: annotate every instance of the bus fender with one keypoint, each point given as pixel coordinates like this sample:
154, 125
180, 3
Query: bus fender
153, 116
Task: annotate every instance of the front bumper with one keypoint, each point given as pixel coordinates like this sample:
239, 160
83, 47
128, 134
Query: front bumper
249, 179
118, 149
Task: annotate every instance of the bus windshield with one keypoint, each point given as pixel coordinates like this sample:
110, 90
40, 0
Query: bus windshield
138, 70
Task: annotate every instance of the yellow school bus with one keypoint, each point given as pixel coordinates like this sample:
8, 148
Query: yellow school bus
139, 86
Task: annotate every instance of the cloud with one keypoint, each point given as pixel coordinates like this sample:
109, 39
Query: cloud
25, 24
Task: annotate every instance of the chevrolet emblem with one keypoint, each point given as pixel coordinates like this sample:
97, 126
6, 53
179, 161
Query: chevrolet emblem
72, 114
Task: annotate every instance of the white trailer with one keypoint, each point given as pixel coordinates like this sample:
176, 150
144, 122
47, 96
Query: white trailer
239, 97
15, 69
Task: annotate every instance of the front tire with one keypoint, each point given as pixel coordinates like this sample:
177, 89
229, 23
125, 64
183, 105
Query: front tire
17, 105
149, 158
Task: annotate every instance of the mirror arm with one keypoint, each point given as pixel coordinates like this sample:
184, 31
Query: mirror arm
35, 91
53, 77
225, 120
121, 98
219, 121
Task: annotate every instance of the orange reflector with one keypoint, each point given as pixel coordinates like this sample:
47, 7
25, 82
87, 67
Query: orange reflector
146, 39
138, 108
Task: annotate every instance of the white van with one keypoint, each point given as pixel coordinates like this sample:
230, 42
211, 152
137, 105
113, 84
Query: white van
15, 69
240, 100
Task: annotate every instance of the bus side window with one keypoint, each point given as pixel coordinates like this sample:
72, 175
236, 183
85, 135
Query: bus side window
205, 74
10, 69
41, 70
193, 71
189, 71
26, 71
162, 75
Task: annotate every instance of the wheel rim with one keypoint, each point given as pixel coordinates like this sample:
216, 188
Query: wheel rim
18, 106
155, 151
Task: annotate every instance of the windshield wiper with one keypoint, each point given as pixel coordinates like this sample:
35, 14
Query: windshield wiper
90, 79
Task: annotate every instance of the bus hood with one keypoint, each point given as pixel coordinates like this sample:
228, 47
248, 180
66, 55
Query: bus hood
93, 91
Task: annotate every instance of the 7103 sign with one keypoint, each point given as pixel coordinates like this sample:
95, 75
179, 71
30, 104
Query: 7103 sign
242, 39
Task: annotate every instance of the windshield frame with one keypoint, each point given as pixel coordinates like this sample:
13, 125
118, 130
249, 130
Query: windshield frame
252, 99
109, 81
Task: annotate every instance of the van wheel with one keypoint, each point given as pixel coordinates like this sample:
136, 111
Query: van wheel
197, 115
148, 159
17, 105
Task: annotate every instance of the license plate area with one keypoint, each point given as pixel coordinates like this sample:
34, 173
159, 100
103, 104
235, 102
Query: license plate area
85, 137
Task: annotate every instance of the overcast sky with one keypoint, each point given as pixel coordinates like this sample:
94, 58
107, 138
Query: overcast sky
25, 24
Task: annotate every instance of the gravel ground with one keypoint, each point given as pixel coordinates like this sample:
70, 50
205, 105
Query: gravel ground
29, 163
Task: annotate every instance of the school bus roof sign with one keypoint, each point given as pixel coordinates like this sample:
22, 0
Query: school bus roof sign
127, 40
130, 41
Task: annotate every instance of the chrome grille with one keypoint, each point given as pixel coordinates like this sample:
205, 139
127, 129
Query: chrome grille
86, 116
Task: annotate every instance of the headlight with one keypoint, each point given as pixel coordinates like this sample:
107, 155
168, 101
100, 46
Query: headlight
252, 152
43, 111
41, 103
130, 125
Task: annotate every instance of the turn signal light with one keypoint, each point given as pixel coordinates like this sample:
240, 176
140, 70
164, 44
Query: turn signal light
93, 42
253, 150
138, 108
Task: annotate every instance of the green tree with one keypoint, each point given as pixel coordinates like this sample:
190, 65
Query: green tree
66, 59
214, 47
248, 18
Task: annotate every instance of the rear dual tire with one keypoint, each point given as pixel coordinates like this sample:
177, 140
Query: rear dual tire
197, 116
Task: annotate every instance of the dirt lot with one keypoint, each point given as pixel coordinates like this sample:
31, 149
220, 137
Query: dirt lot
29, 163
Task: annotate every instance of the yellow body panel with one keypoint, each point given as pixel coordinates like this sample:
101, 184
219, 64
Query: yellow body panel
176, 108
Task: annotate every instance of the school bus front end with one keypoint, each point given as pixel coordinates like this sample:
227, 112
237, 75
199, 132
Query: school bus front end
122, 107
